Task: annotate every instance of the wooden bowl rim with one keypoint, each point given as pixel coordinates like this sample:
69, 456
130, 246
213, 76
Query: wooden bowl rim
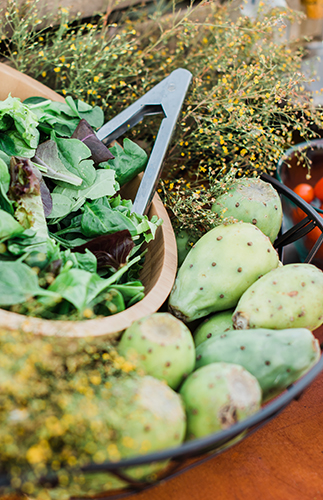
110, 325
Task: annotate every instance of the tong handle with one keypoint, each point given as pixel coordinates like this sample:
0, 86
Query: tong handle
165, 98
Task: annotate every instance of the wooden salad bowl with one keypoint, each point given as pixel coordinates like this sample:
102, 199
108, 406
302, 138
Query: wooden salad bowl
160, 265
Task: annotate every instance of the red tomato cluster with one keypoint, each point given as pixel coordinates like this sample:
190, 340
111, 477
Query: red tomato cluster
309, 193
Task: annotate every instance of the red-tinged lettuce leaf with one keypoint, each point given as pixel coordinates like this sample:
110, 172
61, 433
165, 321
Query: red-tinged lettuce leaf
85, 133
26, 179
110, 250
46, 198
23, 178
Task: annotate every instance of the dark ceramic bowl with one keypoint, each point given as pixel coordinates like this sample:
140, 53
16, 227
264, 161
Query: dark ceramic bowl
292, 170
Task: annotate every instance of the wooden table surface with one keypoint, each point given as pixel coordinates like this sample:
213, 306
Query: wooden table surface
281, 461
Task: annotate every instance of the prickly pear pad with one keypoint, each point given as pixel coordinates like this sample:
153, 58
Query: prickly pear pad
290, 296
214, 325
217, 396
275, 357
161, 345
219, 268
252, 200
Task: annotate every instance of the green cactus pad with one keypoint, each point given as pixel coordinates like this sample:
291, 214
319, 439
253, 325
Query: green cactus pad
287, 297
184, 243
219, 268
214, 325
275, 357
143, 414
251, 200
162, 346
217, 396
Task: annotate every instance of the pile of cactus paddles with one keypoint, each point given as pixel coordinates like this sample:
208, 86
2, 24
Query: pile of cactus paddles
237, 333
256, 316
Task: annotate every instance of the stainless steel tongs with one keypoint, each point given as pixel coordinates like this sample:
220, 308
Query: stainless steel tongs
165, 98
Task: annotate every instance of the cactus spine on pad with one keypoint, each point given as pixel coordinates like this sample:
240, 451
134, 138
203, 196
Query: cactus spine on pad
219, 268
275, 357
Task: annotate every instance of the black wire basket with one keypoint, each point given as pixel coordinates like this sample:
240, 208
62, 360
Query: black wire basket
192, 453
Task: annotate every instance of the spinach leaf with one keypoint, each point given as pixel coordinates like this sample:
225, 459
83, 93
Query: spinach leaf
18, 283
7, 145
69, 199
78, 287
26, 242
9, 227
136, 298
108, 303
145, 226
73, 154
130, 290
92, 114
24, 120
86, 261
69, 235
64, 117
5, 203
62, 205
14, 145
104, 185
4, 157
128, 161
47, 156
70, 224
98, 219
32, 101
68, 242
72, 104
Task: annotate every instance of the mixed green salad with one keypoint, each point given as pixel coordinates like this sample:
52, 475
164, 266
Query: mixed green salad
70, 246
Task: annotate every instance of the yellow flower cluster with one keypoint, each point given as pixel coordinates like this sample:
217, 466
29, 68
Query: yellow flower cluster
245, 105
55, 409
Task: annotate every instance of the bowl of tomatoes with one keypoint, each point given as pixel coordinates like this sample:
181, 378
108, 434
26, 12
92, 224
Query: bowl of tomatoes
301, 169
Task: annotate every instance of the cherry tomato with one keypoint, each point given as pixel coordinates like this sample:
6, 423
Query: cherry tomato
305, 191
311, 238
318, 189
298, 215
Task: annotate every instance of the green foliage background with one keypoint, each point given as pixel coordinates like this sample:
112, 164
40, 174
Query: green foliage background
247, 103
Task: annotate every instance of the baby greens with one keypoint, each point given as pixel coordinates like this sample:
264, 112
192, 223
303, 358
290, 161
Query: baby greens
70, 246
